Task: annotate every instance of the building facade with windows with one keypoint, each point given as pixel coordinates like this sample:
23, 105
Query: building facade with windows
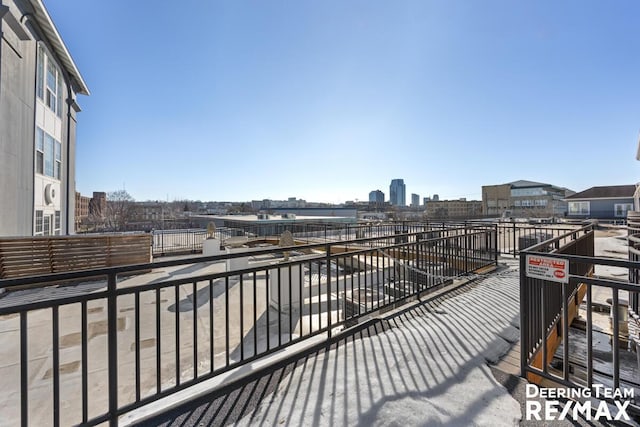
453, 209
607, 202
39, 82
525, 199
376, 198
415, 200
398, 193
81, 208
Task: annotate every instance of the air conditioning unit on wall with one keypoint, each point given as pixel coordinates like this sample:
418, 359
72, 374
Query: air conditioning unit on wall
50, 194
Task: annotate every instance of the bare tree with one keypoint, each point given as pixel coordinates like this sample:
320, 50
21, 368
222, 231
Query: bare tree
120, 210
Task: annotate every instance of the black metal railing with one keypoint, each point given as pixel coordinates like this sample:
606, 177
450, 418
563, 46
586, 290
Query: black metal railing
633, 230
188, 241
171, 242
515, 236
90, 352
547, 308
510, 238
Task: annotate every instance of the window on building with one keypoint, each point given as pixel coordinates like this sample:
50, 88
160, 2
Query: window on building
48, 82
540, 202
48, 155
58, 159
519, 192
56, 223
579, 208
52, 87
39, 151
49, 144
38, 223
46, 225
621, 209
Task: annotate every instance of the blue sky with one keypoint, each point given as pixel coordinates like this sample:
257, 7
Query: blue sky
327, 100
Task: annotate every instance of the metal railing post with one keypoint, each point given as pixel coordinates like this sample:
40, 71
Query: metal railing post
24, 371
524, 318
465, 248
328, 257
514, 239
112, 318
496, 251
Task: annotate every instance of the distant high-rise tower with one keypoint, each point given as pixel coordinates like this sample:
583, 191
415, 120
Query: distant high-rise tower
397, 193
415, 200
376, 198
436, 198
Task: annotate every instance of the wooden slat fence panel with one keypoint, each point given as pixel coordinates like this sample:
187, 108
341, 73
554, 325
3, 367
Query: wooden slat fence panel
34, 256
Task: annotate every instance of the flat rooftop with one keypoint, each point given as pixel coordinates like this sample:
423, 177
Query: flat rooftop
279, 218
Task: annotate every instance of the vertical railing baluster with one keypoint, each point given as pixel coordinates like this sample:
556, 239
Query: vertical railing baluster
267, 309
226, 315
589, 337
515, 252
55, 335
255, 315
158, 345
194, 307
524, 318
112, 321
211, 327
176, 291
301, 299
85, 359
24, 371
279, 306
137, 343
290, 306
565, 332
616, 339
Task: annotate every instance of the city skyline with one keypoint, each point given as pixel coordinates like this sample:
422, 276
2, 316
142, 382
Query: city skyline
244, 101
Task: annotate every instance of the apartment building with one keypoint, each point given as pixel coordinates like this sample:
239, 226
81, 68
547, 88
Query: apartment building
39, 82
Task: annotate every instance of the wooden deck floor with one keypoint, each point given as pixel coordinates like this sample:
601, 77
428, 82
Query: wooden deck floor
510, 362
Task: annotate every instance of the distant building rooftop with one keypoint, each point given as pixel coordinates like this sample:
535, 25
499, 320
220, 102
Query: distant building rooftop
605, 192
526, 184
279, 218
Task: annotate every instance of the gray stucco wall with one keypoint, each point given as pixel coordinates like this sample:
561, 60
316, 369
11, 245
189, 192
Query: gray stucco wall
17, 99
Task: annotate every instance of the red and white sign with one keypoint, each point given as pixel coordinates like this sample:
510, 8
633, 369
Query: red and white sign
546, 268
